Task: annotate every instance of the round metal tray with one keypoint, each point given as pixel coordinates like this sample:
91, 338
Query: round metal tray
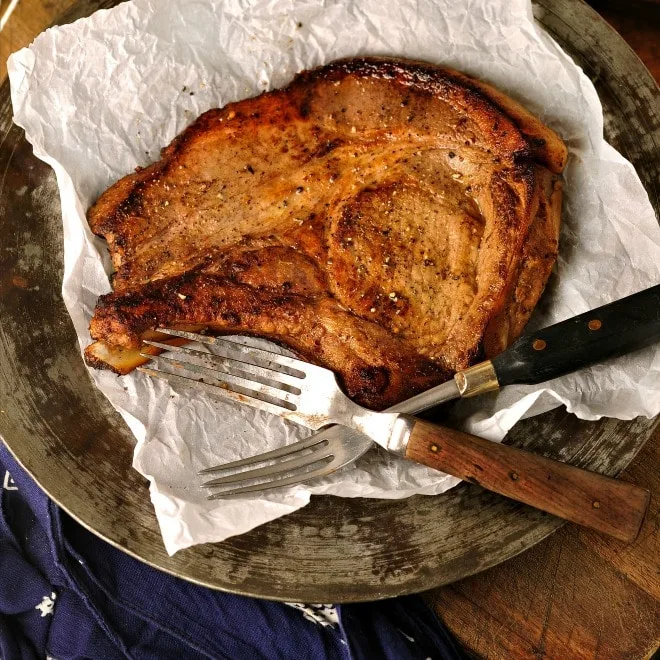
65, 433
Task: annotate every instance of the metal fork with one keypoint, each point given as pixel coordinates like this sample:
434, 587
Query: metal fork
309, 395
298, 391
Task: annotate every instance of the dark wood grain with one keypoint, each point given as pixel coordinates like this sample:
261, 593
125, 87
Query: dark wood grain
75, 445
610, 506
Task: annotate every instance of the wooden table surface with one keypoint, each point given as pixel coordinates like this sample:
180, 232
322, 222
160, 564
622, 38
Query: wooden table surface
576, 594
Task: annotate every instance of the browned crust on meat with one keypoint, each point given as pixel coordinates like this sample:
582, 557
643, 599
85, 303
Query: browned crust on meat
389, 219
375, 367
538, 257
485, 103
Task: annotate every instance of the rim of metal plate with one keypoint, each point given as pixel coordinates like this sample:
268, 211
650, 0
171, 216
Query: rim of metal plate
67, 436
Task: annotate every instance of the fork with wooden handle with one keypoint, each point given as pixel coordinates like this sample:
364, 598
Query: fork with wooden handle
309, 395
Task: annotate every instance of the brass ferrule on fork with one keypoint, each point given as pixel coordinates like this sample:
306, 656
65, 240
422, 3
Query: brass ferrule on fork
477, 379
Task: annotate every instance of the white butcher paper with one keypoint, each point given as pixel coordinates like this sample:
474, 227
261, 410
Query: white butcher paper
103, 95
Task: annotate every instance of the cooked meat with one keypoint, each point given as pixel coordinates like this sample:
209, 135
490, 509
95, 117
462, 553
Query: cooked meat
391, 220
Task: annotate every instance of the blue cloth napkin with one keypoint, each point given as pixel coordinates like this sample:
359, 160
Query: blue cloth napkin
66, 594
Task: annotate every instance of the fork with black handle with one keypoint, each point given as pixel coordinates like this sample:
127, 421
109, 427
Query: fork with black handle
309, 395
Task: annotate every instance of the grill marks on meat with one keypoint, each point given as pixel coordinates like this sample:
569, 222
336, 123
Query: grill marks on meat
388, 219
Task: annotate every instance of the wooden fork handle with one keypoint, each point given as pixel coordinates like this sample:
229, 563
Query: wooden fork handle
589, 499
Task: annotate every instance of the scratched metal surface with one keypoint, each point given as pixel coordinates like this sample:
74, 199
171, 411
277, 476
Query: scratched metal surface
335, 550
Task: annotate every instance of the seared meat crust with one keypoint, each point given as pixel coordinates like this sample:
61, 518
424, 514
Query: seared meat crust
392, 220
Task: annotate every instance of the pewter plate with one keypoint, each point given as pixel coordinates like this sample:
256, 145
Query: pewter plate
65, 433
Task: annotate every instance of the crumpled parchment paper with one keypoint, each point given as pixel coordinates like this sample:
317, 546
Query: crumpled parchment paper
104, 94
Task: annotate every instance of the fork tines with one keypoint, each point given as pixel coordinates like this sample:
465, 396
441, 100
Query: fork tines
264, 380
237, 372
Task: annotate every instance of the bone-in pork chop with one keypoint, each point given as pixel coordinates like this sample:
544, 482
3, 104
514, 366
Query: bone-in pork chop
391, 220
